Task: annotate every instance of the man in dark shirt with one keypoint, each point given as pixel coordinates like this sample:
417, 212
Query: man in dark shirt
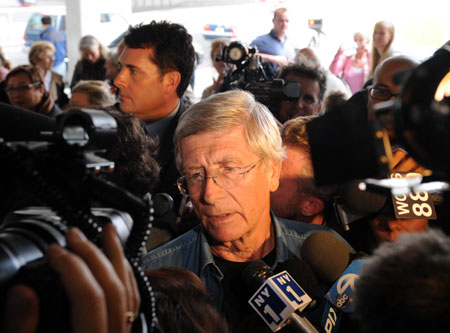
156, 66
229, 151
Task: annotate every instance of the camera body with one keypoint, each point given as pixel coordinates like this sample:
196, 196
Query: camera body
56, 182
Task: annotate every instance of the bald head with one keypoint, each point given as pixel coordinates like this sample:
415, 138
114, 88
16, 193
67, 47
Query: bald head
386, 85
390, 66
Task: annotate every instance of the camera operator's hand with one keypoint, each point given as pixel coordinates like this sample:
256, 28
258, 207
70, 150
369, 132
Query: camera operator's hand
101, 288
403, 162
278, 60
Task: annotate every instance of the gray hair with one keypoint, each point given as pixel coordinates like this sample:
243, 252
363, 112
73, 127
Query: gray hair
90, 42
228, 110
98, 91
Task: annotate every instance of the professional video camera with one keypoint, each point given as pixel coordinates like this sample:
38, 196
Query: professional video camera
63, 176
360, 151
256, 77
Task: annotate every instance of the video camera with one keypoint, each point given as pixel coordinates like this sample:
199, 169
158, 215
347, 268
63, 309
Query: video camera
61, 174
361, 151
251, 74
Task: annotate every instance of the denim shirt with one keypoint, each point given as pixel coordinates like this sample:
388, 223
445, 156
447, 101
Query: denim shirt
58, 38
192, 252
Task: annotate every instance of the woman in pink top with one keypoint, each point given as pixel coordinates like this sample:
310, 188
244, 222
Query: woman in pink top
5, 65
353, 68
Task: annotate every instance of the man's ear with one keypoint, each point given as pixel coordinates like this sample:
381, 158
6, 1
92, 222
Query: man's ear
171, 81
311, 206
319, 109
275, 171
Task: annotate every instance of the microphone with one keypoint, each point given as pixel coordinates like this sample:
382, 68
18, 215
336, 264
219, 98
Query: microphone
302, 272
361, 202
162, 204
354, 204
332, 260
327, 255
277, 298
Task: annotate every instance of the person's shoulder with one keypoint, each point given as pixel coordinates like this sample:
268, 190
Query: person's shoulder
336, 83
173, 252
299, 231
57, 77
55, 110
260, 39
290, 226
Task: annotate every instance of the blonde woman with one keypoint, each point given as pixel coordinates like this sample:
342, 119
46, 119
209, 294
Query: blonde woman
382, 39
42, 55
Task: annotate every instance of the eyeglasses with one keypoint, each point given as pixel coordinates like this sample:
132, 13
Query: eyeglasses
381, 94
22, 88
227, 177
47, 58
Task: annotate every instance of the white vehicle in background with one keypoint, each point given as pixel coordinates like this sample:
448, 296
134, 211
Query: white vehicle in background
109, 25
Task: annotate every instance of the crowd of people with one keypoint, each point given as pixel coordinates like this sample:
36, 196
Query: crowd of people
242, 180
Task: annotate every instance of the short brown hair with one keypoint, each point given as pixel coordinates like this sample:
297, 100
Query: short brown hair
294, 135
34, 73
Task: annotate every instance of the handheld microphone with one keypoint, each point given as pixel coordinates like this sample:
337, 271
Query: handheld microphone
332, 260
277, 298
162, 204
327, 255
302, 272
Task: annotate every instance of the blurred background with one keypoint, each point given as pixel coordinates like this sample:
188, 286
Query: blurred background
324, 25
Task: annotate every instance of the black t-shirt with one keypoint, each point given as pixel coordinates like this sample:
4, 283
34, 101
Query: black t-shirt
239, 314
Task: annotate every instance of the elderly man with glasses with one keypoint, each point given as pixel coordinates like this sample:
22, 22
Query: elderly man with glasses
229, 150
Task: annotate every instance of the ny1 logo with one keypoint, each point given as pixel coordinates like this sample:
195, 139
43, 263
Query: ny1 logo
278, 298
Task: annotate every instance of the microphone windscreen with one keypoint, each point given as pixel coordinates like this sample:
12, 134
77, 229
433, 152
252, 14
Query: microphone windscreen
162, 204
255, 274
302, 273
327, 255
361, 202
18, 124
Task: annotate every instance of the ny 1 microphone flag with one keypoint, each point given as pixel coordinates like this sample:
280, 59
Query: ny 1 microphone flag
278, 298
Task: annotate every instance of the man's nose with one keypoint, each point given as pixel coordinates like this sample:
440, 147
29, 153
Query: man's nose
211, 190
300, 102
118, 81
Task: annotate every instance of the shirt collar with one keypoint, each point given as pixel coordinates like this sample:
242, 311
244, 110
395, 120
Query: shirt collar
157, 128
48, 80
273, 35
